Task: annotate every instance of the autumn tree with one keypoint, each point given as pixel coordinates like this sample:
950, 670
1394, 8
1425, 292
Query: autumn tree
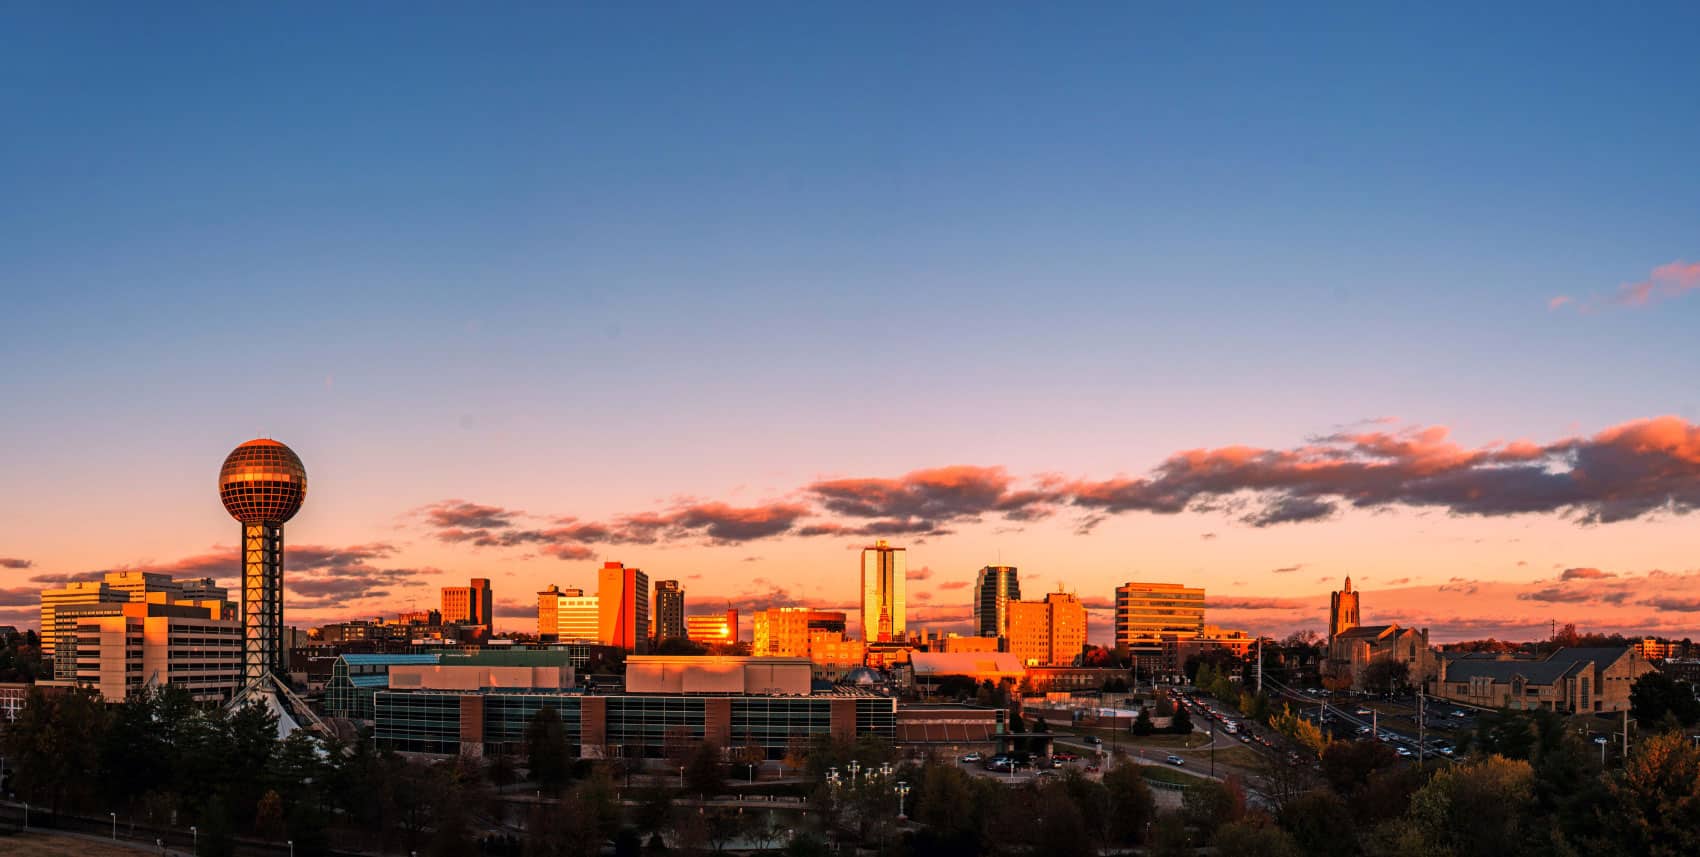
1655, 801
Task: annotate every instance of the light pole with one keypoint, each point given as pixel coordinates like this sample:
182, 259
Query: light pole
26, 815
194, 841
291, 848
902, 792
681, 777
855, 768
114, 825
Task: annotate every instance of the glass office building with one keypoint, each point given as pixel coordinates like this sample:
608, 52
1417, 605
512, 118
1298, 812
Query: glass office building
630, 725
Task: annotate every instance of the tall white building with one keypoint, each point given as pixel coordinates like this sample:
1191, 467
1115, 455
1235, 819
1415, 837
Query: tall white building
883, 570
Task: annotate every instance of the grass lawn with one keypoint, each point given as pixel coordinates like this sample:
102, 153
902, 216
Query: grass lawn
1164, 774
35, 844
1243, 757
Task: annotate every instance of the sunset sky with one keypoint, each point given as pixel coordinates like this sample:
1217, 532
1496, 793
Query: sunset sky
1246, 298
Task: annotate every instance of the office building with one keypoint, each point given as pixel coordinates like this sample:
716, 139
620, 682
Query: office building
75, 592
1147, 611
623, 607
115, 588
1051, 632
884, 569
1342, 610
262, 485
419, 617
784, 631
994, 588
469, 605
733, 702
669, 610
715, 628
568, 615
117, 649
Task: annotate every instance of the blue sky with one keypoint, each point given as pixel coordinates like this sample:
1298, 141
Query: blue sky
693, 249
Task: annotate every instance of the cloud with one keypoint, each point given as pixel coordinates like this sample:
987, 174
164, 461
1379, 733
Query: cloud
1259, 604
1399, 581
1287, 569
1584, 574
1556, 595
1558, 302
1208, 536
922, 573
14, 562
1666, 281
1674, 605
1460, 585
20, 596
954, 584
1628, 471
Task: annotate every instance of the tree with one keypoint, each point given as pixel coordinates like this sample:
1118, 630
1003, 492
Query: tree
1656, 799
1386, 675
680, 646
1476, 810
1656, 695
546, 748
703, 773
53, 748
1246, 839
1209, 805
1349, 765
1142, 723
1320, 824
1132, 805
268, 817
1181, 723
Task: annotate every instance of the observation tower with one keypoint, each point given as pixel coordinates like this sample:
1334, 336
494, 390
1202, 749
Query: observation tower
262, 485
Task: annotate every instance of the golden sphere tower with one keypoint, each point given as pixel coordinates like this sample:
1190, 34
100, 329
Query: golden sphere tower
262, 485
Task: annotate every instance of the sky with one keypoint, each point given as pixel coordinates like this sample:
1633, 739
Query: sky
1246, 297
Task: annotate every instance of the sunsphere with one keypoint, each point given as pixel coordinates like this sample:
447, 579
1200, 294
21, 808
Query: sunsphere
262, 484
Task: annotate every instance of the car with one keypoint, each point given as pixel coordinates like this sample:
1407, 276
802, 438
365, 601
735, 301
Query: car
1363, 730
1445, 750
1245, 739
1175, 760
1362, 712
1459, 712
1091, 769
972, 757
1094, 740
1404, 752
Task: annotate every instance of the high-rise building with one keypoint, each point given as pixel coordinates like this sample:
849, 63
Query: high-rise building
118, 648
75, 592
569, 615
119, 587
883, 571
1051, 632
262, 484
669, 610
1342, 610
996, 586
623, 607
468, 605
1147, 611
713, 628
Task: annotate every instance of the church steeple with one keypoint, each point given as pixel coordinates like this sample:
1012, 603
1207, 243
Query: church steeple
1348, 584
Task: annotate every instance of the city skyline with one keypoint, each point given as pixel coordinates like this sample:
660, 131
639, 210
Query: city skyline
1119, 295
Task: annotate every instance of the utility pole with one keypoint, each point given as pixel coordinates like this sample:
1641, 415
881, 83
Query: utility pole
1260, 665
1422, 721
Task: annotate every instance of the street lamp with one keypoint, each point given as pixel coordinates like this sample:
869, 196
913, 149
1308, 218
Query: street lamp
681, 776
26, 815
902, 792
291, 848
885, 770
855, 768
114, 825
194, 841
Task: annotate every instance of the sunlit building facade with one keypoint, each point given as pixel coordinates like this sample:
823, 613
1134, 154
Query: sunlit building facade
568, 615
994, 588
1145, 612
623, 607
884, 569
715, 628
1051, 632
669, 607
196, 647
469, 605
